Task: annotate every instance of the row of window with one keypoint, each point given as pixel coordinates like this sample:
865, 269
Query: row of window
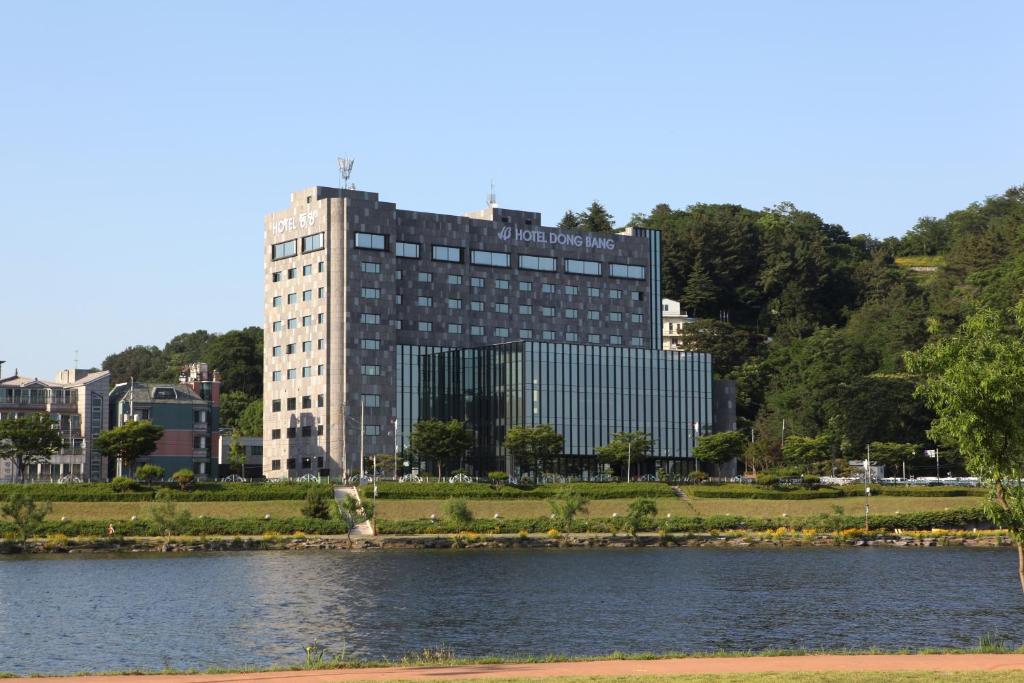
523, 309
290, 273
290, 247
293, 298
498, 259
307, 402
293, 373
501, 332
306, 347
307, 463
292, 432
293, 323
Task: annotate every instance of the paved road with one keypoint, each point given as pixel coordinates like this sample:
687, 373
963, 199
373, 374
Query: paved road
617, 667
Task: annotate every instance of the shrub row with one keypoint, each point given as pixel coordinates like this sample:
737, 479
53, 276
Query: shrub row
917, 491
591, 491
203, 491
852, 490
194, 527
950, 519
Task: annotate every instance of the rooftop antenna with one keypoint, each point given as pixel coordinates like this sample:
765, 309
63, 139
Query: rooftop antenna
492, 199
345, 171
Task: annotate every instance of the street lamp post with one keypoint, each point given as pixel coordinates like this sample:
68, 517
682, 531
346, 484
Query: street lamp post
629, 459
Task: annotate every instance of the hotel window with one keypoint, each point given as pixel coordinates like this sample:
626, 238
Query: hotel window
582, 267
424, 301
614, 293
275, 277
276, 326
290, 432
636, 341
636, 317
275, 464
526, 334
500, 308
525, 286
369, 293
537, 263
525, 309
571, 337
307, 346
369, 318
455, 303
275, 405
454, 328
593, 315
424, 277
290, 374
282, 250
293, 298
275, 434
630, 272
407, 249
476, 305
372, 430
499, 259
424, 326
371, 369
369, 344
396, 324
571, 290
615, 316
369, 267
440, 252
615, 340
320, 370
593, 338
307, 371
313, 242
501, 284
455, 279
571, 313
307, 269
307, 430
398, 299
477, 282
275, 376
291, 403
371, 400
369, 240
307, 320
276, 351
276, 301
319, 400
547, 288
307, 295
476, 330
547, 311
291, 273
307, 402
319, 292
500, 331
290, 463
636, 296
547, 335
290, 349
319, 344
398, 275
319, 266
593, 292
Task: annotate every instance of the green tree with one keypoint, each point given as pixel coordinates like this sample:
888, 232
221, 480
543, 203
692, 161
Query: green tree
806, 451
29, 440
626, 449
457, 511
166, 515
184, 477
534, 449
641, 514
445, 443
236, 456
149, 473
570, 221
721, 447
730, 346
892, 454
144, 363
250, 421
130, 441
974, 381
596, 219
699, 294
24, 514
566, 505
232, 403
319, 500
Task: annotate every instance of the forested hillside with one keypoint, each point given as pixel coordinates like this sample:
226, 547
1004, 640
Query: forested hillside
811, 322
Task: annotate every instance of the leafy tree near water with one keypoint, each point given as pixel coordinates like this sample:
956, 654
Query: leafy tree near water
565, 506
130, 441
626, 449
29, 440
443, 442
721, 447
974, 381
534, 449
24, 514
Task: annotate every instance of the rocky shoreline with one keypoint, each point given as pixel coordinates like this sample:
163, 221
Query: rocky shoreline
779, 538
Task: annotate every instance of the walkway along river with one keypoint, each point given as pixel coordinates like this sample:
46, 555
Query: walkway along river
64, 614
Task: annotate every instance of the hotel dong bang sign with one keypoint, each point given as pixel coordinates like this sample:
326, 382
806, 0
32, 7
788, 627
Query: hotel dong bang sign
306, 219
555, 237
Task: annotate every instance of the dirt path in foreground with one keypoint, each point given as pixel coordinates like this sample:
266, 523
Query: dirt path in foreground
617, 667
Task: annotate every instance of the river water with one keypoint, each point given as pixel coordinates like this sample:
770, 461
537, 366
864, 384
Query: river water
65, 614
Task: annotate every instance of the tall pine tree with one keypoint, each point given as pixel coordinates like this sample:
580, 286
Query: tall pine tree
596, 219
699, 292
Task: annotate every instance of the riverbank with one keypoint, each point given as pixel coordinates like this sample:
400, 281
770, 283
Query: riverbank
781, 537
988, 667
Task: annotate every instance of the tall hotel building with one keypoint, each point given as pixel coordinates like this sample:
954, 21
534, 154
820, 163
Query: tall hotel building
377, 317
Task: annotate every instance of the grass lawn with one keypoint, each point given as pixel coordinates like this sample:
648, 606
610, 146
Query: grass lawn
228, 510
522, 509
810, 677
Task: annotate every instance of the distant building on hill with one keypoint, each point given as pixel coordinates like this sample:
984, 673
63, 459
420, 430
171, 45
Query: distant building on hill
77, 402
188, 412
673, 318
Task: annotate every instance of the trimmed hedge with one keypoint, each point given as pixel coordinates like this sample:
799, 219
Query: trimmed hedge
195, 527
949, 519
200, 492
850, 490
918, 491
591, 491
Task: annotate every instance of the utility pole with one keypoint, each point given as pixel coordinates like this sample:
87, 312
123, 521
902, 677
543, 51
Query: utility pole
362, 439
867, 488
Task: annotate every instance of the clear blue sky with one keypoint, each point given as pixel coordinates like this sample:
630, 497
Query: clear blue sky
140, 146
